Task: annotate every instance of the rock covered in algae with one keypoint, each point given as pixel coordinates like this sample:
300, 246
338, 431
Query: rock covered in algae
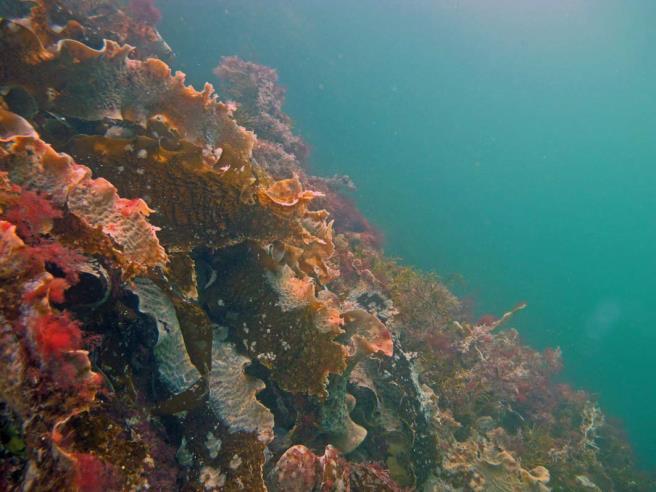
39, 339
487, 466
130, 23
35, 166
299, 469
320, 364
260, 99
44, 255
74, 80
278, 318
199, 204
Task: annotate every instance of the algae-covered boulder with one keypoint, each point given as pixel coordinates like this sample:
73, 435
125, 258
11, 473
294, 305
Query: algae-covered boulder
178, 311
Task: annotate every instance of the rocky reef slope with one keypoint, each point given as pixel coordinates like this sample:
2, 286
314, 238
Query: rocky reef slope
184, 307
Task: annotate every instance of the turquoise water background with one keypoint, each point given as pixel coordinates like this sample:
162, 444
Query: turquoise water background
510, 142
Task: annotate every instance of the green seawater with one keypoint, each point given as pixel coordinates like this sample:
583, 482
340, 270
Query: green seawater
507, 143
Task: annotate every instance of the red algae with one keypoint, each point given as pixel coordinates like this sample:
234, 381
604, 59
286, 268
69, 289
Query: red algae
93, 475
68, 261
56, 334
32, 214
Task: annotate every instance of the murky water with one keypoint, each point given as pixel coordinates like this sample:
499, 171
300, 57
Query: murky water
507, 145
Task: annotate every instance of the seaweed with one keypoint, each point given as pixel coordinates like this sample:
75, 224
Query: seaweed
183, 306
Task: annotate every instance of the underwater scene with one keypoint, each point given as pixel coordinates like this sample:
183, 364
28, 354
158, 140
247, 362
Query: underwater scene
309, 245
